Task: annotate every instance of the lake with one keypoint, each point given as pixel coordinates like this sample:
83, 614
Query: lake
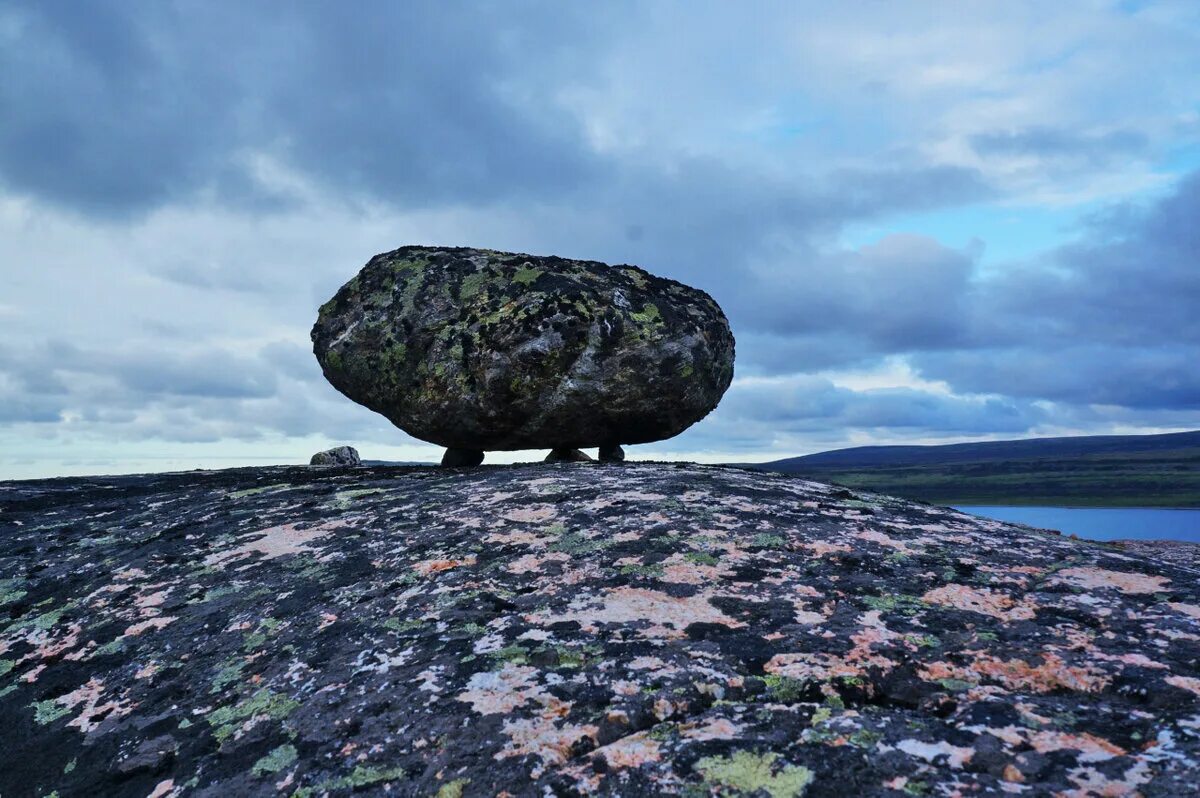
1102, 523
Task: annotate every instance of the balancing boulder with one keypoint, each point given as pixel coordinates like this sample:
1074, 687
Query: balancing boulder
481, 350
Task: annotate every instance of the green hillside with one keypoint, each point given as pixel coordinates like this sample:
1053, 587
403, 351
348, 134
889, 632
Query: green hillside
1113, 471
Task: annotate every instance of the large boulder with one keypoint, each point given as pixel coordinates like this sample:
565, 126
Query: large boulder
558, 630
337, 456
476, 350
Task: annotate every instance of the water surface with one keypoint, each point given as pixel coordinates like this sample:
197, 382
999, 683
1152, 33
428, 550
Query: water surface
1102, 523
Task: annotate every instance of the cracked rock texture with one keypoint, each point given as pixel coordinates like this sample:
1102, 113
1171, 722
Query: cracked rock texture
575, 628
481, 350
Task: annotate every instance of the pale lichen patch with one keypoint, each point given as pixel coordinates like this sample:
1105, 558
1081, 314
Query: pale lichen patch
1124, 581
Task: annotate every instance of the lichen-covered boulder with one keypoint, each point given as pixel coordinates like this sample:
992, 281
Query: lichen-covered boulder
337, 456
481, 350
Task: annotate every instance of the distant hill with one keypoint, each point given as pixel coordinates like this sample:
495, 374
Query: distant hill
1099, 470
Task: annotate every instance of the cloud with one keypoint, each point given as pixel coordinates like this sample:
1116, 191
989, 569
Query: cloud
1109, 319
117, 109
789, 414
181, 187
1060, 143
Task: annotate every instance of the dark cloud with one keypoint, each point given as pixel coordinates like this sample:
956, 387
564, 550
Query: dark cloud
213, 276
204, 395
1159, 376
120, 108
1054, 142
1110, 319
144, 372
18, 408
788, 413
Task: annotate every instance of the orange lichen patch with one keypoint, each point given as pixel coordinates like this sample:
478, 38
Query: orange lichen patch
1123, 581
980, 600
630, 752
542, 737
150, 623
1091, 783
1093, 748
1140, 660
875, 536
533, 514
1184, 683
531, 563
1190, 610
716, 729
816, 666
1015, 674
53, 646
502, 691
677, 568
514, 537
276, 541
151, 601
427, 567
94, 712
806, 616
956, 756
857, 661
668, 615
1019, 575
162, 789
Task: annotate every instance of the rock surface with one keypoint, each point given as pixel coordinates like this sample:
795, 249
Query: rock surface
337, 456
1178, 552
560, 629
482, 350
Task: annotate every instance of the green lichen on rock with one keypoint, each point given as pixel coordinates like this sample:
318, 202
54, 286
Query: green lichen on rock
471, 285
747, 773
48, 711
275, 761
648, 315
10, 591
527, 275
263, 704
453, 789
362, 776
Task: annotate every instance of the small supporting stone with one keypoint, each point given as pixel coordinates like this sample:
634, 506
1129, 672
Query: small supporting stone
462, 458
612, 454
568, 456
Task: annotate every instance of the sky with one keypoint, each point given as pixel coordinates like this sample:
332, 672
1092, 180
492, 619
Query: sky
927, 222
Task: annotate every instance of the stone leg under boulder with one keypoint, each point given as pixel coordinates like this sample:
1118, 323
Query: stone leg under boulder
460, 458
567, 456
612, 454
